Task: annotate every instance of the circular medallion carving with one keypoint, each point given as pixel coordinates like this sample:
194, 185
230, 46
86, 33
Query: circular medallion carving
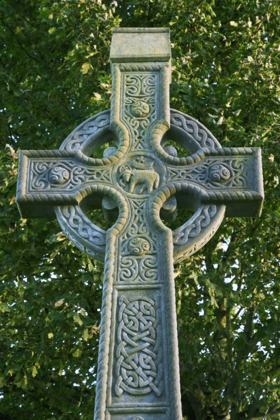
140, 109
219, 173
138, 246
140, 175
58, 175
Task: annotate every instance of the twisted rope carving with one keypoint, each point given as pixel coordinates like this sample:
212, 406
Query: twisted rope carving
93, 126
172, 339
104, 339
201, 136
193, 226
47, 153
123, 137
51, 198
140, 67
197, 231
88, 132
159, 130
228, 197
89, 237
231, 151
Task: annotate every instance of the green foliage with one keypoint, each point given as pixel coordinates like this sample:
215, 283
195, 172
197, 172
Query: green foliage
54, 74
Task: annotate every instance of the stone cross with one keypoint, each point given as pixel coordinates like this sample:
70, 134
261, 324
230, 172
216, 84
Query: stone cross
137, 183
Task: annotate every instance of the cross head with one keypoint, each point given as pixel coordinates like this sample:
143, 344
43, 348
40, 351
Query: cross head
137, 182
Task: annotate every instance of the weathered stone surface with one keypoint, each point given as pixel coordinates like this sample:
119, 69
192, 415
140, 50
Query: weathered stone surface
142, 178
140, 44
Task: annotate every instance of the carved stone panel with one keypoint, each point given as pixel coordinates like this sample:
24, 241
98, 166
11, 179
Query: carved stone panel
65, 175
139, 103
138, 368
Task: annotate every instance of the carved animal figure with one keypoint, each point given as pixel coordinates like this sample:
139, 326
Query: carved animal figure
148, 179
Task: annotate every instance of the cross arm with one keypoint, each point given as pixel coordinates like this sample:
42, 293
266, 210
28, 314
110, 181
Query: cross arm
52, 178
231, 176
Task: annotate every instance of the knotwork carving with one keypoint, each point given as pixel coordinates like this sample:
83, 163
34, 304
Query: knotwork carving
138, 352
64, 175
199, 135
138, 255
138, 177
85, 131
214, 173
197, 231
89, 129
193, 226
83, 226
138, 223
139, 111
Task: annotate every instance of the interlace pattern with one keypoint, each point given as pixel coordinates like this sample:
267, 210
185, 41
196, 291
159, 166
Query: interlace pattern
139, 368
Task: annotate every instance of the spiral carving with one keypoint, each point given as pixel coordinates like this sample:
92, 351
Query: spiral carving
138, 354
140, 109
138, 246
219, 173
58, 175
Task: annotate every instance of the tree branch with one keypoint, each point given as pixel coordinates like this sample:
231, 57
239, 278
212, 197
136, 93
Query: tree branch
20, 44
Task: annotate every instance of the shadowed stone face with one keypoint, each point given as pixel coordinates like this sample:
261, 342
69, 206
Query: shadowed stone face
136, 182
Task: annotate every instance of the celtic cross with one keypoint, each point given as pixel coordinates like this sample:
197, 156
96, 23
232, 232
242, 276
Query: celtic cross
137, 182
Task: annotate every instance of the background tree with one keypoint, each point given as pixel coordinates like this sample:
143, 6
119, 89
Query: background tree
54, 74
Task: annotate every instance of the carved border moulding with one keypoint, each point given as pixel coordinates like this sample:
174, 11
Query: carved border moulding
197, 231
138, 375
87, 133
141, 176
81, 231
